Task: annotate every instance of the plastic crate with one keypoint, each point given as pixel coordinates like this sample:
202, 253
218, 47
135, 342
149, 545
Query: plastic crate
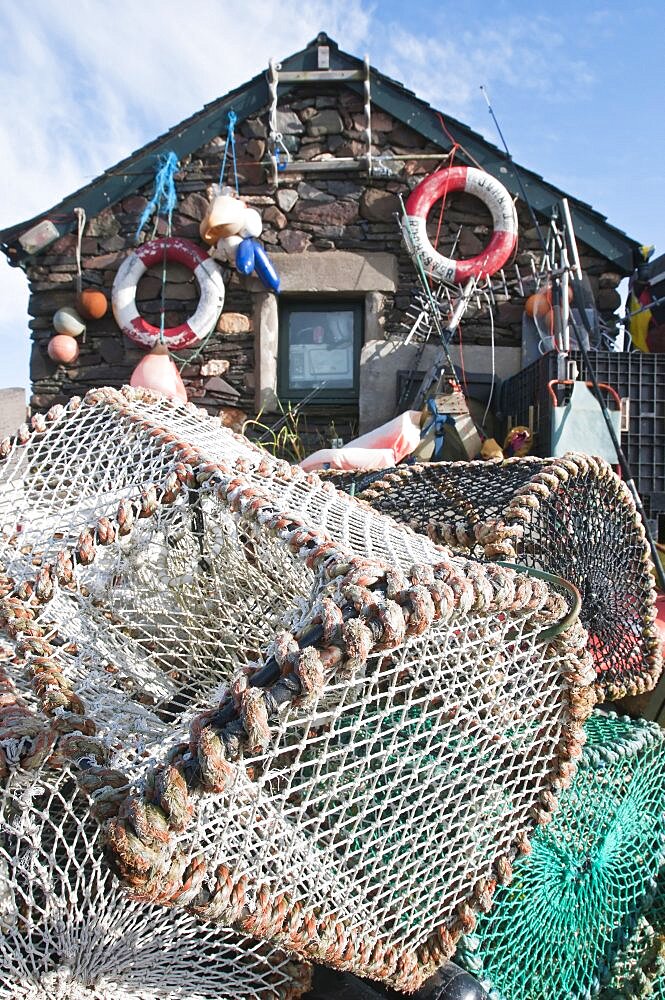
636, 376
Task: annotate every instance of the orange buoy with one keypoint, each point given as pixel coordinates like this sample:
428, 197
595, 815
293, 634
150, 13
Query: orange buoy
92, 304
63, 349
530, 304
540, 303
157, 371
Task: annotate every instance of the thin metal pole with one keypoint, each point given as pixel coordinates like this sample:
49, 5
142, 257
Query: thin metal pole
518, 176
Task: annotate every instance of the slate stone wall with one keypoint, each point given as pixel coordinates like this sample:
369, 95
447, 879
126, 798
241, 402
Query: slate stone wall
307, 213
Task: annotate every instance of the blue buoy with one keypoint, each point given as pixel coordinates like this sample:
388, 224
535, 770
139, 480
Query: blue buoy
245, 256
265, 269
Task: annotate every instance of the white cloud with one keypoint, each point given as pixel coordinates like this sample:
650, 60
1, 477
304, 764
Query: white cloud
87, 82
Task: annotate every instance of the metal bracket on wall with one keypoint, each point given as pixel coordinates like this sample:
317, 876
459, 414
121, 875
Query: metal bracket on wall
280, 157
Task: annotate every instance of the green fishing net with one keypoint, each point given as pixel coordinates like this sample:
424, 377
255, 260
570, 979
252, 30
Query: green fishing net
559, 929
638, 967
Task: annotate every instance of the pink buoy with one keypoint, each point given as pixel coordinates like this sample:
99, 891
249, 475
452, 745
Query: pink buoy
157, 371
63, 349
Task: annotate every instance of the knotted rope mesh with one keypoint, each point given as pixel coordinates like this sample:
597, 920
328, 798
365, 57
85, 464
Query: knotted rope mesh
576, 901
380, 686
571, 516
68, 933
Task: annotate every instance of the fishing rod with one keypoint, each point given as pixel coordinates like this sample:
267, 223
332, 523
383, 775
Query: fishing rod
518, 176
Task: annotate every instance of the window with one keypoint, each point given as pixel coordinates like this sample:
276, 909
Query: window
319, 350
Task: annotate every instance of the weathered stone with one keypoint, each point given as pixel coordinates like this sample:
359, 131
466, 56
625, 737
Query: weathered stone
402, 135
286, 199
343, 189
276, 218
254, 128
469, 245
251, 174
255, 149
41, 402
46, 303
325, 122
350, 100
509, 312
308, 192
307, 113
214, 147
102, 261
111, 350
105, 224
378, 206
41, 366
609, 279
185, 227
338, 271
326, 102
233, 323
336, 213
294, 241
381, 122
113, 244
194, 205
221, 386
412, 168
132, 205
291, 143
312, 152
215, 366
231, 416
352, 147
608, 300
288, 123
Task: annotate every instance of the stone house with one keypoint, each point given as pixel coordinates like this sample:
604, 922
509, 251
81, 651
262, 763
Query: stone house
329, 226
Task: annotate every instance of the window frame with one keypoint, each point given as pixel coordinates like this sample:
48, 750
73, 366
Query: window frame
340, 396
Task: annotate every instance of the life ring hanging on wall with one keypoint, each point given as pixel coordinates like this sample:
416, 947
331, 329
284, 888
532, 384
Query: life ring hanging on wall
504, 218
179, 251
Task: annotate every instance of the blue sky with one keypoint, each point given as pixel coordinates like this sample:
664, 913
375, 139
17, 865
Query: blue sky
577, 88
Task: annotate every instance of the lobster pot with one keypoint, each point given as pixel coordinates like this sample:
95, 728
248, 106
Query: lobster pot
566, 921
571, 516
68, 932
308, 723
639, 969
641, 972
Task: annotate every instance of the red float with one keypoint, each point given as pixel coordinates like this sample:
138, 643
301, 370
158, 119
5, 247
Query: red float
504, 217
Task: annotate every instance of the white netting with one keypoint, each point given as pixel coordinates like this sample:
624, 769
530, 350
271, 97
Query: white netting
399, 719
68, 933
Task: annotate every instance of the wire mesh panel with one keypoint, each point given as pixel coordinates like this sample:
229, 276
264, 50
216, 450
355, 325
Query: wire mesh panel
398, 720
557, 931
571, 516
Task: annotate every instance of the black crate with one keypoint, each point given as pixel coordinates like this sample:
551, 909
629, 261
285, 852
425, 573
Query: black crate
636, 376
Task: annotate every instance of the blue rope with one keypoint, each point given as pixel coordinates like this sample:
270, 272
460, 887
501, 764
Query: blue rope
164, 199
438, 421
230, 143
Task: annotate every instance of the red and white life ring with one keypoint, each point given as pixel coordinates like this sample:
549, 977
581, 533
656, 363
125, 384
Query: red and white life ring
504, 218
132, 269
